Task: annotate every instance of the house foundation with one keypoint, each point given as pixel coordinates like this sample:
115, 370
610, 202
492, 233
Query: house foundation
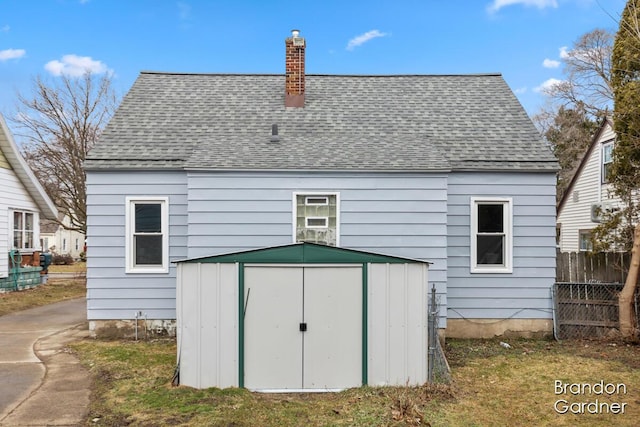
490, 328
140, 328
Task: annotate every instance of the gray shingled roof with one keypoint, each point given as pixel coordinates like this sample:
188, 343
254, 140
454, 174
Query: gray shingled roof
395, 123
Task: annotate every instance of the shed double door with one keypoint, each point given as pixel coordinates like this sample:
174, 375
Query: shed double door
302, 327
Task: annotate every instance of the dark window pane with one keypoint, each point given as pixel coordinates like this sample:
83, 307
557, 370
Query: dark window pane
148, 218
17, 239
148, 250
490, 219
490, 250
17, 220
28, 222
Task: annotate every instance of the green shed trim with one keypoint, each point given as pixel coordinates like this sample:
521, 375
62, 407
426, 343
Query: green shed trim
299, 253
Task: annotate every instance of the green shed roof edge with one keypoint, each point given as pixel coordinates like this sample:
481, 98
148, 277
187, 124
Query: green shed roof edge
303, 252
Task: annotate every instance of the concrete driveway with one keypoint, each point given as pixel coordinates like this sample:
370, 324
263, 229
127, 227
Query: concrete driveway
41, 383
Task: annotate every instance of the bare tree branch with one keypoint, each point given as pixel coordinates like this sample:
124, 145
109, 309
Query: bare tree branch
61, 122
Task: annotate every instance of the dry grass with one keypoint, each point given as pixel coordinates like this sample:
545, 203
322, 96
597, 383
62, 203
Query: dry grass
76, 267
492, 386
53, 291
133, 388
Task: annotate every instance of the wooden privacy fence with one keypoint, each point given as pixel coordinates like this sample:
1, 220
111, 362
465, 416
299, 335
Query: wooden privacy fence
587, 267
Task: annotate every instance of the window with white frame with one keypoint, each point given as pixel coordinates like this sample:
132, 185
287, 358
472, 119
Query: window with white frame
316, 218
491, 235
147, 226
607, 160
64, 244
24, 230
77, 244
584, 240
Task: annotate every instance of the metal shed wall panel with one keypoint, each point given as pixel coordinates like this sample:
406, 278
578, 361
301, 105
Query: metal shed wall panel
207, 313
397, 324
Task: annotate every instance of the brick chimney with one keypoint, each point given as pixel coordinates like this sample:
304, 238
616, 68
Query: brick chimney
294, 70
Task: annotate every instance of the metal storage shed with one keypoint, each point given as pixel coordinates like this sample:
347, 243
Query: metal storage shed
302, 317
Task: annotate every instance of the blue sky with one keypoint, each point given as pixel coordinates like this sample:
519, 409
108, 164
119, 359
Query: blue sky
522, 39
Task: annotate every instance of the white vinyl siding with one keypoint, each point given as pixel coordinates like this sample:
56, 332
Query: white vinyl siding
575, 214
13, 196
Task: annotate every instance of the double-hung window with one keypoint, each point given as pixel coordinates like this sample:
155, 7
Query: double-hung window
147, 226
23, 230
491, 235
607, 160
316, 218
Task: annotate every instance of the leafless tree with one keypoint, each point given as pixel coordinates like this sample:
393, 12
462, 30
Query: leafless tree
60, 122
587, 67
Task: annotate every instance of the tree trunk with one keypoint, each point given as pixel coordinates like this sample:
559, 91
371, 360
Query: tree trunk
625, 298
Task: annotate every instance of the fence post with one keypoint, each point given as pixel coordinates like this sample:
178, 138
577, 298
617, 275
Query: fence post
433, 333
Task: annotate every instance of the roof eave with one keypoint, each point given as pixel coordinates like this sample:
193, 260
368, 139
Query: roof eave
583, 162
24, 173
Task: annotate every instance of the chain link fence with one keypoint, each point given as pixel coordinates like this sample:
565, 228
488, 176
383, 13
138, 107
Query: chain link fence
587, 310
438, 367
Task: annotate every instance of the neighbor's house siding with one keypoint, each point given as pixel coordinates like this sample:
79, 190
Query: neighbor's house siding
524, 293
575, 213
14, 196
111, 293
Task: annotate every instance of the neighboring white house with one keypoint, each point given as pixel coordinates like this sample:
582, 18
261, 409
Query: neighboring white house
588, 193
23, 202
60, 240
447, 169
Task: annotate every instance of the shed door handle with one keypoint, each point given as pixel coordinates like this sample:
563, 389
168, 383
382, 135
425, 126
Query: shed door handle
303, 327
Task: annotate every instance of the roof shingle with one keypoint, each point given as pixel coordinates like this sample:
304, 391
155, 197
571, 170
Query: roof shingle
383, 123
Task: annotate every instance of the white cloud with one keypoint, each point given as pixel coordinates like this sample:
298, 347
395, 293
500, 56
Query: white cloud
540, 4
363, 38
12, 54
5, 28
550, 63
564, 52
520, 90
74, 65
547, 85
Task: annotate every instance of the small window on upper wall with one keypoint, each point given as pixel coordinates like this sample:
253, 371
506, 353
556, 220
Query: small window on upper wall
607, 160
316, 218
147, 235
491, 235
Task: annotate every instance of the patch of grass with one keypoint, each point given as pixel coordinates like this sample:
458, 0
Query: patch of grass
492, 386
132, 387
76, 267
53, 291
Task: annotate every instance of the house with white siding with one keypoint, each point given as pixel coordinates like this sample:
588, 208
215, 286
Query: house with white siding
60, 238
23, 202
589, 193
447, 169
